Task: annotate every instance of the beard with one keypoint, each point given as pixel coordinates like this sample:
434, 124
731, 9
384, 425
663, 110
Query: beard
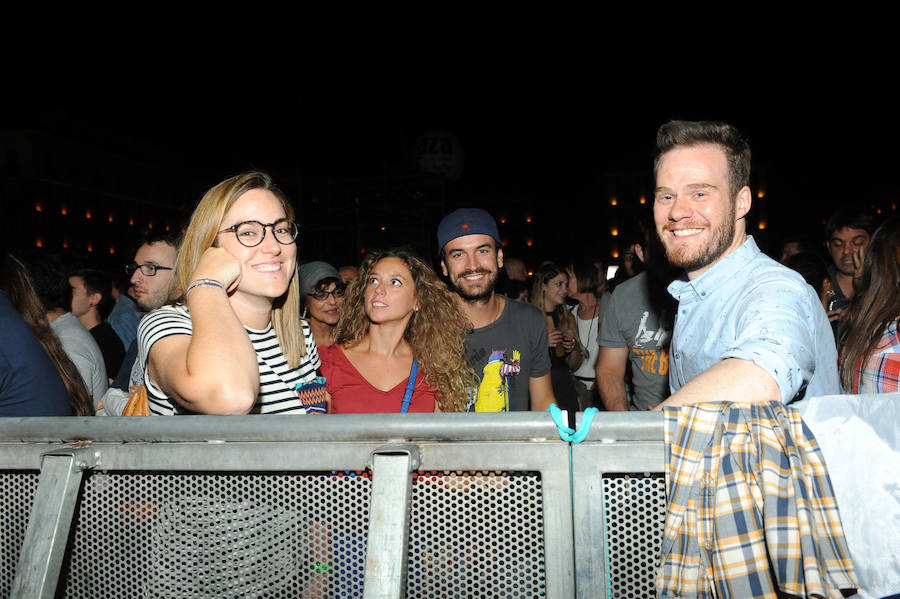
692, 258
475, 293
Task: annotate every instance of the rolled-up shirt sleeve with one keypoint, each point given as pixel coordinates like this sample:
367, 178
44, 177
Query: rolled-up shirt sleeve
775, 331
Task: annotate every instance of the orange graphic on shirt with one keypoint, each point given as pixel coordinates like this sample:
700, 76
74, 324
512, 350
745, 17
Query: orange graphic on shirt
653, 361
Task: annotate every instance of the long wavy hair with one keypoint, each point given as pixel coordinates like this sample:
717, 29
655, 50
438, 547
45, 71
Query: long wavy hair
563, 318
876, 302
206, 221
14, 280
437, 332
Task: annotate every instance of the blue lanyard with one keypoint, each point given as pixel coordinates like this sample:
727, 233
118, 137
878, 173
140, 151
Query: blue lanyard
407, 396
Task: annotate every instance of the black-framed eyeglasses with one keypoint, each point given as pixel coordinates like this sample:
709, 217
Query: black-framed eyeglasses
321, 294
148, 269
251, 233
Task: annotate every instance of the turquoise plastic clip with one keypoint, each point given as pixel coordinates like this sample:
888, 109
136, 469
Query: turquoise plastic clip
567, 434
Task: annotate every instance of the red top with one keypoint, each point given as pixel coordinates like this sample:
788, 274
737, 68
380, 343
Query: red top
351, 393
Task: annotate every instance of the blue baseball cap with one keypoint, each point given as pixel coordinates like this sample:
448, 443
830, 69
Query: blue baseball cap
467, 221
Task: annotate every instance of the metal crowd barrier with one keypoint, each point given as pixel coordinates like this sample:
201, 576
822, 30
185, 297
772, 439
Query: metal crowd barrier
419, 505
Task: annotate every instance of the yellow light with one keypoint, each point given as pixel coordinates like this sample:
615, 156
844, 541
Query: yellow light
527, 219
643, 200
761, 225
761, 193
613, 202
502, 220
615, 253
530, 273
614, 232
382, 227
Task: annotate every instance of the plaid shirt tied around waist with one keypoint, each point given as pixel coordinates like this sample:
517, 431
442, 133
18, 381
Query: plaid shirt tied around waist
751, 509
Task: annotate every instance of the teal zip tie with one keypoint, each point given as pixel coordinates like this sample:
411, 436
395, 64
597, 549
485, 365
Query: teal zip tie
570, 435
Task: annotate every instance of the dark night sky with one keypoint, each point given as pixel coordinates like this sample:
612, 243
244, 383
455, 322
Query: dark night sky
542, 110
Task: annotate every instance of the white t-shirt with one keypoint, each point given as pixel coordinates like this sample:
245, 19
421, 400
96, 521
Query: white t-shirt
276, 379
588, 334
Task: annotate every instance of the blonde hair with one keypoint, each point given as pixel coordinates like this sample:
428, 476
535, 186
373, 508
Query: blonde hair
201, 234
564, 318
436, 332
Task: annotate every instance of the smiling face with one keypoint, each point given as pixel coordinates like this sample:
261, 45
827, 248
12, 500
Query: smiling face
555, 291
472, 262
696, 217
390, 293
266, 269
325, 310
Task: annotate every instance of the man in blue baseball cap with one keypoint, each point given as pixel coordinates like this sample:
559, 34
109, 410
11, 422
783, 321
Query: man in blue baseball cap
508, 347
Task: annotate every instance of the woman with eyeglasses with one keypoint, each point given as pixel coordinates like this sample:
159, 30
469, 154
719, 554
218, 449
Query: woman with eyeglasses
236, 344
322, 293
399, 343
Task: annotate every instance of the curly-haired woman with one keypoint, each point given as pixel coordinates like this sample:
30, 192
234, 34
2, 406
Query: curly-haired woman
399, 341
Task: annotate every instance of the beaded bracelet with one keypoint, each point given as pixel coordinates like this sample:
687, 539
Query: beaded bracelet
203, 283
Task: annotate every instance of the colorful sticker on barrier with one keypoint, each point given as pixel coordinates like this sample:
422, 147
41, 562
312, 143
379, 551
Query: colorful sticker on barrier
312, 395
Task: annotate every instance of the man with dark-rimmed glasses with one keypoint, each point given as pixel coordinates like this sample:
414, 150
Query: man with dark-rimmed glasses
152, 271
152, 274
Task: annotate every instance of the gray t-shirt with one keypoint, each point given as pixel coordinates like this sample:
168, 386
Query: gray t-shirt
505, 354
630, 321
84, 353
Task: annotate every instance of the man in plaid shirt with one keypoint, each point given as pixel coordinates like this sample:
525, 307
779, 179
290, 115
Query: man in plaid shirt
751, 509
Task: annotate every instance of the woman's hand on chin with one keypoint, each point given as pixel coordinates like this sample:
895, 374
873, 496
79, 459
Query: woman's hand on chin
216, 263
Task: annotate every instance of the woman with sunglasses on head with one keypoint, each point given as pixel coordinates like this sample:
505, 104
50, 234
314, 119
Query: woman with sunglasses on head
399, 341
236, 344
322, 292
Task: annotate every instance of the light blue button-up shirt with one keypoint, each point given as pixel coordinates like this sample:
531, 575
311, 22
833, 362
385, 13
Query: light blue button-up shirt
747, 306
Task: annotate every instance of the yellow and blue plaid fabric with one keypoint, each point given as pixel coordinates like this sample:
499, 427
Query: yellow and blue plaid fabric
751, 509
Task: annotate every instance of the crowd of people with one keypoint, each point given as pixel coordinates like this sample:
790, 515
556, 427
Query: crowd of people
227, 319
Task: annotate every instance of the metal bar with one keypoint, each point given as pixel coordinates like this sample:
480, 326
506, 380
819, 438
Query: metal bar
590, 461
514, 426
389, 522
48, 527
558, 535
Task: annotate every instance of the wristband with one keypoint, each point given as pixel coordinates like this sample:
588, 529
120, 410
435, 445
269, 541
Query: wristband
203, 283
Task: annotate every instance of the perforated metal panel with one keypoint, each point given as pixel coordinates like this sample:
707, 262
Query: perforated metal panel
476, 534
16, 497
635, 509
219, 535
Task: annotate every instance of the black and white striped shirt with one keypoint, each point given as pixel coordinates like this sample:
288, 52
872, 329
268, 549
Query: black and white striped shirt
276, 378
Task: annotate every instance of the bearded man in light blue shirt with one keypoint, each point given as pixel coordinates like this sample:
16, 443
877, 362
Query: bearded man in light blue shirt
750, 507
747, 329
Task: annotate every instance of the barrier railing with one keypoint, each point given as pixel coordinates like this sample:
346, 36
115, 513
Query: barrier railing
338, 506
